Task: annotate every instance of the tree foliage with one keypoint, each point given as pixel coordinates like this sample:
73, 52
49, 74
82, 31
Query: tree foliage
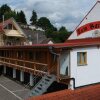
50, 30
33, 19
21, 17
8, 13
44, 23
5, 8
58, 36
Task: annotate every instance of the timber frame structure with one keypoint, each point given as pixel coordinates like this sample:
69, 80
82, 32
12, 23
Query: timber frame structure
45, 59
37, 59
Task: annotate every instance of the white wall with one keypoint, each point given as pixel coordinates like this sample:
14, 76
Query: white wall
89, 73
50, 42
64, 62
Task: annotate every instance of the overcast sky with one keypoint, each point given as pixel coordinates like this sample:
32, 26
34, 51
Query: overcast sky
66, 13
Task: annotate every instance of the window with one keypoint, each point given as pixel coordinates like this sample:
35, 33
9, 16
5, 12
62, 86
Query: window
81, 58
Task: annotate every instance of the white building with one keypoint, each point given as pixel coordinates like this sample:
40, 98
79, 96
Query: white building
82, 61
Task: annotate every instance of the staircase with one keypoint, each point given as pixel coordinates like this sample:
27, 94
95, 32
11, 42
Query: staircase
42, 86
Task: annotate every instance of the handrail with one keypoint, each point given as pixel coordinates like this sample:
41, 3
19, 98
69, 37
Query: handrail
25, 67
35, 65
24, 61
53, 68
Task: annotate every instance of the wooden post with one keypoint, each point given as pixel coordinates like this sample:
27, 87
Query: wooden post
49, 62
58, 64
34, 68
5, 69
58, 68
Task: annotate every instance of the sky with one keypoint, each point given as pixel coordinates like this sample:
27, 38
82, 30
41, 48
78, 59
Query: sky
66, 13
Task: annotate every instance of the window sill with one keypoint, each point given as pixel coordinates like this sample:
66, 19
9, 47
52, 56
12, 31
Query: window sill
82, 64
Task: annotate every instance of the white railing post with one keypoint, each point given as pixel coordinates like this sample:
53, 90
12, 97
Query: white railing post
31, 79
21, 76
14, 73
4, 69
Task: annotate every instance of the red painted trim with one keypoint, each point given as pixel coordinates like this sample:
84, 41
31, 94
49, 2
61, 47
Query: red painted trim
9, 21
88, 27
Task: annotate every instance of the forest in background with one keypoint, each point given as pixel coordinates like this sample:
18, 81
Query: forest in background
58, 35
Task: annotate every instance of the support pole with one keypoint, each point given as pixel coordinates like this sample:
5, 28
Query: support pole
4, 69
14, 73
21, 76
58, 67
31, 79
71, 84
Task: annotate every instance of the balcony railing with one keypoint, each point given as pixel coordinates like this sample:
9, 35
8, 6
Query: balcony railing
27, 66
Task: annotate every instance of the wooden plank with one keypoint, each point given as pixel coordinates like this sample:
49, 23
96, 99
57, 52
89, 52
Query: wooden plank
25, 61
23, 68
49, 62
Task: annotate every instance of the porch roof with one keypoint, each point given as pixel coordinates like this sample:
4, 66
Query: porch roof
68, 44
12, 33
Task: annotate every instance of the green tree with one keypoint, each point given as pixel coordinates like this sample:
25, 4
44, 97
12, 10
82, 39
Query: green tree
58, 36
44, 23
4, 9
33, 19
63, 30
10, 14
21, 17
63, 34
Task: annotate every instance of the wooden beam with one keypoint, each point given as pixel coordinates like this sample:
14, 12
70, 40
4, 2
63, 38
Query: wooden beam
23, 68
49, 62
25, 61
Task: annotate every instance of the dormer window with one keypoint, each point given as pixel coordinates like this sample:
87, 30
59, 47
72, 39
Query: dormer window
10, 26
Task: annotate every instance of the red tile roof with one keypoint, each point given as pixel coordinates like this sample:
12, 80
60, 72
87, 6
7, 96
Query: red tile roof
67, 44
80, 42
6, 22
86, 93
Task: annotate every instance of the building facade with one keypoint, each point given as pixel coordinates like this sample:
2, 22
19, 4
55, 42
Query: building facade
11, 33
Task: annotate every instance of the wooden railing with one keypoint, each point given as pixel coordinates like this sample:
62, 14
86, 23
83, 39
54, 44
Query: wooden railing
53, 69
27, 66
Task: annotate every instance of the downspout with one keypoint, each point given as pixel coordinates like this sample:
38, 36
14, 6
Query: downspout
54, 53
71, 78
58, 60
